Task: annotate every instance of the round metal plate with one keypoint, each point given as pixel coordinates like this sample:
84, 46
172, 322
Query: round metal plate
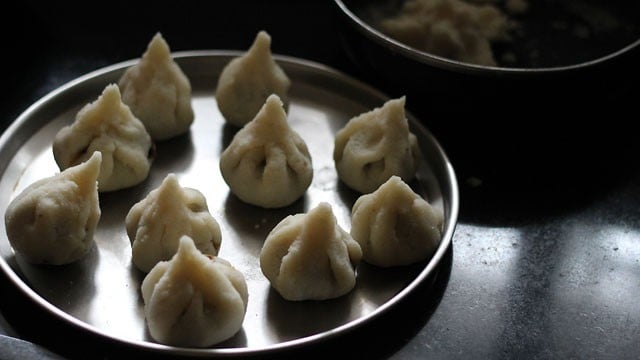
101, 293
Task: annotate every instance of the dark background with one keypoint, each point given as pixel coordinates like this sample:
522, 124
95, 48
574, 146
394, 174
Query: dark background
545, 261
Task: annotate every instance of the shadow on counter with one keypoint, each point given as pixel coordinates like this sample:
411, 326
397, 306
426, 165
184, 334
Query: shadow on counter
533, 172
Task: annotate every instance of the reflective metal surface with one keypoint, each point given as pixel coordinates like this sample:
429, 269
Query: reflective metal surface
100, 293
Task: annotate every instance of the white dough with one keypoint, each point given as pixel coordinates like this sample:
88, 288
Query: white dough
376, 145
247, 81
194, 299
108, 126
454, 29
156, 223
395, 226
158, 92
267, 163
310, 257
53, 220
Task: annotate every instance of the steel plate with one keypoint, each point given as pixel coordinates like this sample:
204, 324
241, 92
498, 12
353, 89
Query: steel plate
101, 293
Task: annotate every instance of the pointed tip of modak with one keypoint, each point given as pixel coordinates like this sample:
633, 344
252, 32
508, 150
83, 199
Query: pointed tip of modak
393, 181
156, 37
186, 246
110, 99
158, 47
85, 174
393, 111
171, 178
394, 187
261, 44
319, 222
398, 103
274, 102
322, 211
111, 94
272, 112
170, 183
95, 160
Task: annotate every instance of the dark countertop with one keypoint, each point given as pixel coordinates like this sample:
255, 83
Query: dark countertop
545, 261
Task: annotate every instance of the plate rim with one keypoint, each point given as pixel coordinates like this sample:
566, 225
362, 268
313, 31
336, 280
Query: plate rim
453, 203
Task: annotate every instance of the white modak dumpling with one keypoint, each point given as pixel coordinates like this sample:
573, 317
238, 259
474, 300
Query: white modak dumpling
247, 81
310, 257
158, 92
395, 226
267, 163
193, 299
107, 125
156, 223
53, 220
376, 145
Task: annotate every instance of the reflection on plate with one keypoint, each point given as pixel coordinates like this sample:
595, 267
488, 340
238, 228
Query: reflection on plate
100, 293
